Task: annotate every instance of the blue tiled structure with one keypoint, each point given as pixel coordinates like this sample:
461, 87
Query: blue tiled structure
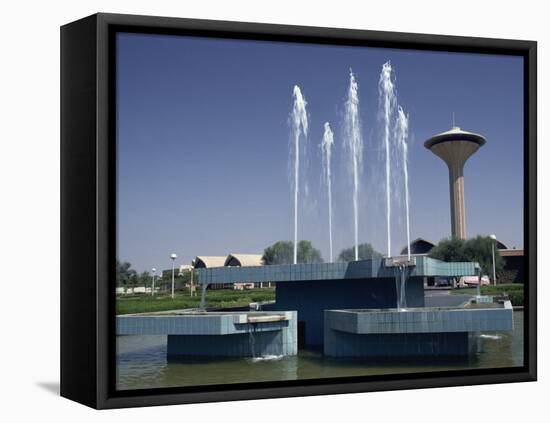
313, 288
344, 344
348, 308
217, 334
311, 299
362, 269
423, 331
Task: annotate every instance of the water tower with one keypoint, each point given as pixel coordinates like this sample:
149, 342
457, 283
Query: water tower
454, 147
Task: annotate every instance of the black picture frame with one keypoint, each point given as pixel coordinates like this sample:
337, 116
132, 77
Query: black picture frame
88, 199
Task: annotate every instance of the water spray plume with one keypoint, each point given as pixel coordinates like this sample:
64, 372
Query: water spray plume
386, 91
354, 144
402, 135
299, 130
326, 149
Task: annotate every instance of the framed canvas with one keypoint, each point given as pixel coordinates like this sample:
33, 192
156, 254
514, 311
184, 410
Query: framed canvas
260, 211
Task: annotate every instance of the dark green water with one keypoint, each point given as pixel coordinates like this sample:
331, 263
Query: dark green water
141, 363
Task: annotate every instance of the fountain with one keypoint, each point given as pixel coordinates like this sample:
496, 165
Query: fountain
386, 107
299, 128
372, 307
354, 145
402, 134
326, 149
395, 142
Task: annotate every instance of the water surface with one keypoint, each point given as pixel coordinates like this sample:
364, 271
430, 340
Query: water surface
142, 363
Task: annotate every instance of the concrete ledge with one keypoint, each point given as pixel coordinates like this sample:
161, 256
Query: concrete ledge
362, 269
421, 320
197, 323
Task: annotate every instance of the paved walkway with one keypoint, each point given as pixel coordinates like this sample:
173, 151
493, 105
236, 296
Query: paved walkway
443, 298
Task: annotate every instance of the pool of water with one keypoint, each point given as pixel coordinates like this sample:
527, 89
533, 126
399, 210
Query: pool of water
142, 363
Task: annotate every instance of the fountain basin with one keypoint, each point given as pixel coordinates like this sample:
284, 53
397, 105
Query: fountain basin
415, 331
221, 334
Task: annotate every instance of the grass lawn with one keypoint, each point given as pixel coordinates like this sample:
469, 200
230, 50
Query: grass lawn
513, 290
143, 303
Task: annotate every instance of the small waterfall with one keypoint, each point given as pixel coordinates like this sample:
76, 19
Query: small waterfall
386, 92
402, 134
299, 128
491, 337
326, 149
258, 358
354, 144
401, 276
252, 341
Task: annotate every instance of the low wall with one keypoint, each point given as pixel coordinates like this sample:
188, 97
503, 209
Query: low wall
255, 344
344, 344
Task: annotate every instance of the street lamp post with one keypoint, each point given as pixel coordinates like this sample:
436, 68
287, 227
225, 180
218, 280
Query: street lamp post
153, 281
191, 283
493, 242
173, 257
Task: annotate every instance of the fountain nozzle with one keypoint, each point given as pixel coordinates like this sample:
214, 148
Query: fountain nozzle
400, 262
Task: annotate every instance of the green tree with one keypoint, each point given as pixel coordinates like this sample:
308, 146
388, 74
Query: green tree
450, 249
307, 253
144, 279
282, 252
365, 250
125, 275
133, 281
478, 249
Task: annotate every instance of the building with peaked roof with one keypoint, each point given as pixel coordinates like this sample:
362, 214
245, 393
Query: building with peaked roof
244, 260
419, 246
422, 246
231, 260
201, 262
247, 260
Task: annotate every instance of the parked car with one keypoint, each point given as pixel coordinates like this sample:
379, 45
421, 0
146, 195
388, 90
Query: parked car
443, 281
472, 281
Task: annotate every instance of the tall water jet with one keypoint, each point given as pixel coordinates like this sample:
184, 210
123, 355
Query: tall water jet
326, 149
299, 128
386, 91
402, 135
354, 145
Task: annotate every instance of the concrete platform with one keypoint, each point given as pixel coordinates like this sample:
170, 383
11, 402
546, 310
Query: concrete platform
419, 331
222, 334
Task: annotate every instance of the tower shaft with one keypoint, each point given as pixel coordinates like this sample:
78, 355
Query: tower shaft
456, 194
454, 147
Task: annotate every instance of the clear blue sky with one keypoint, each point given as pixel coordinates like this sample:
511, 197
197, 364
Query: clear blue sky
203, 144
